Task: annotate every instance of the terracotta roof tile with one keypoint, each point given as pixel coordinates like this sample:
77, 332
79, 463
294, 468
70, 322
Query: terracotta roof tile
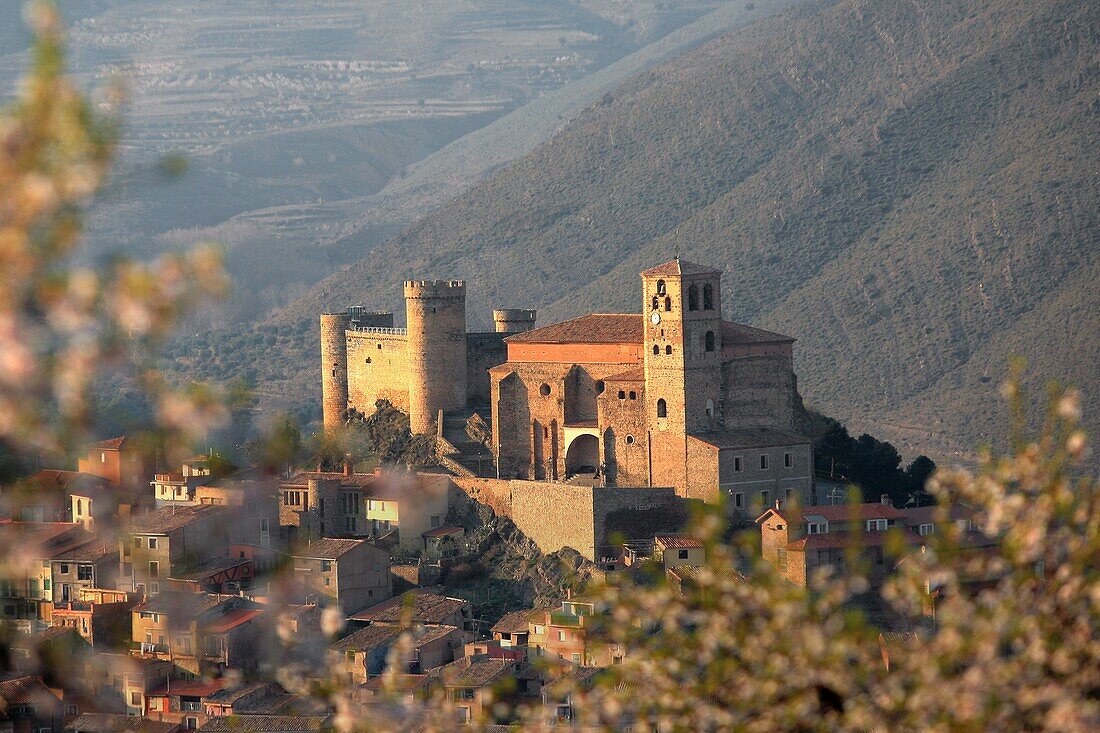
26, 690
366, 639
117, 723
263, 724
111, 443
426, 608
170, 518
328, 548
676, 542
595, 328
833, 540
677, 266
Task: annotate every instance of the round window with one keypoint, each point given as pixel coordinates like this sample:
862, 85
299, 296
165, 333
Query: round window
544, 390
599, 386
630, 440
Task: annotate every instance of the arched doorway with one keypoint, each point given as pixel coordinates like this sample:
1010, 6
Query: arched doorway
583, 455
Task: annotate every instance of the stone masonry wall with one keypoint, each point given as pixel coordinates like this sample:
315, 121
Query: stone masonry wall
377, 369
555, 515
483, 352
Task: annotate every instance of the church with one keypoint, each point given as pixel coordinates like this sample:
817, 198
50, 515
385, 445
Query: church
670, 396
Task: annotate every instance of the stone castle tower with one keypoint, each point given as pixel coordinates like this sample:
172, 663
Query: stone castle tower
436, 324
682, 360
513, 320
334, 367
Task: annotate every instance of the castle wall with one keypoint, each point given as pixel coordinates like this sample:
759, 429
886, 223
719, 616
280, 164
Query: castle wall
483, 352
555, 515
378, 368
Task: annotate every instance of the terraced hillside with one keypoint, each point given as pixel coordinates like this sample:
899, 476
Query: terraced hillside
908, 188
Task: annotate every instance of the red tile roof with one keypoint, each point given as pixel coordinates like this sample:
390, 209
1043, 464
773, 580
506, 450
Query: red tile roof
426, 608
442, 531
676, 542
110, 443
233, 619
26, 690
595, 328
680, 267
835, 512
833, 540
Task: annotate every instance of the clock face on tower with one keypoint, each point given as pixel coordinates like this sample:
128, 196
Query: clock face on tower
655, 318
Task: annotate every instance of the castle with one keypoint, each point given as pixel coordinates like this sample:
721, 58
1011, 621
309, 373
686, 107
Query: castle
669, 396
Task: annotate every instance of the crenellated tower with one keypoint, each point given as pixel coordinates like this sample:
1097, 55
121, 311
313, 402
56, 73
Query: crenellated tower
334, 368
436, 348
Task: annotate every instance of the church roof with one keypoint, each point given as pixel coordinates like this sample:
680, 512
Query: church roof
749, 438
595, 328
733, 333
680, 267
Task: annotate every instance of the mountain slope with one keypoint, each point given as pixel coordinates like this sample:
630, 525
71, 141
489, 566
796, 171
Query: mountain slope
906, 187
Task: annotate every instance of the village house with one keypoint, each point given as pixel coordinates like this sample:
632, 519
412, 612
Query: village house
418, 607
93, 564
119, 460
411, 504
122, 680
362, 654
168, 541
514, 628
350, 574
573, 633
118, 723
44, 496
559, 694
798, 540
315, 504
181, 701
101, 616
199, 632
233, 698
674, 551
178, 489
26, 588
474, 684
27, 705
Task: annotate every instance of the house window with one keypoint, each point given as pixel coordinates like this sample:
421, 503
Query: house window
963, 525
154, 588
192, 723
137, 543
84, 572
102, 457
576, 658
763, 461
326, 565
662, 408
64, 568
561, 636
682, 554
781, 559
926, 529
817, 528
710, 341
154, 569
876, 525
79, 507
152, 543
708, 297
739, 500
737, 464
710, 408
764, 495
349, 524
788, 460
135, 699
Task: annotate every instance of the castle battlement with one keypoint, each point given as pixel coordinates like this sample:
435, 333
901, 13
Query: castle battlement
379, 330
422, 289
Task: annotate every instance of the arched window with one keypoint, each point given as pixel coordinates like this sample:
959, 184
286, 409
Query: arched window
708, 297
656, 302
710, 408
80, 507
668, 303
544, 389
599, 386
710, 340
668, 349
660, 287
656, 349
662, 408
693, 298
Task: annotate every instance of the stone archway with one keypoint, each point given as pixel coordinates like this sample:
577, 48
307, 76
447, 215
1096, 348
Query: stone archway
583, 455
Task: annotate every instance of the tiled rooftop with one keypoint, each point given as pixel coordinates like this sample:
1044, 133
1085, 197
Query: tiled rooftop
327, 548
170, 518
425, 608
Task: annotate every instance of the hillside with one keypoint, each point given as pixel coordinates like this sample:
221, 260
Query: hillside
903, 186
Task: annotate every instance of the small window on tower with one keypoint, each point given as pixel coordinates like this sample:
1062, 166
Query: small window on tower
544, 389
368, 360
656, 350
710, 408
622, 394
668, 303
660, 287
708, 298
662, 408
599, 386
693, 298
710, 341
630, 440
668, 349
633, 395
379, 347
656, 302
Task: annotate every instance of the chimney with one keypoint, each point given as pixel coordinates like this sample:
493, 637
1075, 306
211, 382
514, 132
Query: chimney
885, 499
347, 468
778, 504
